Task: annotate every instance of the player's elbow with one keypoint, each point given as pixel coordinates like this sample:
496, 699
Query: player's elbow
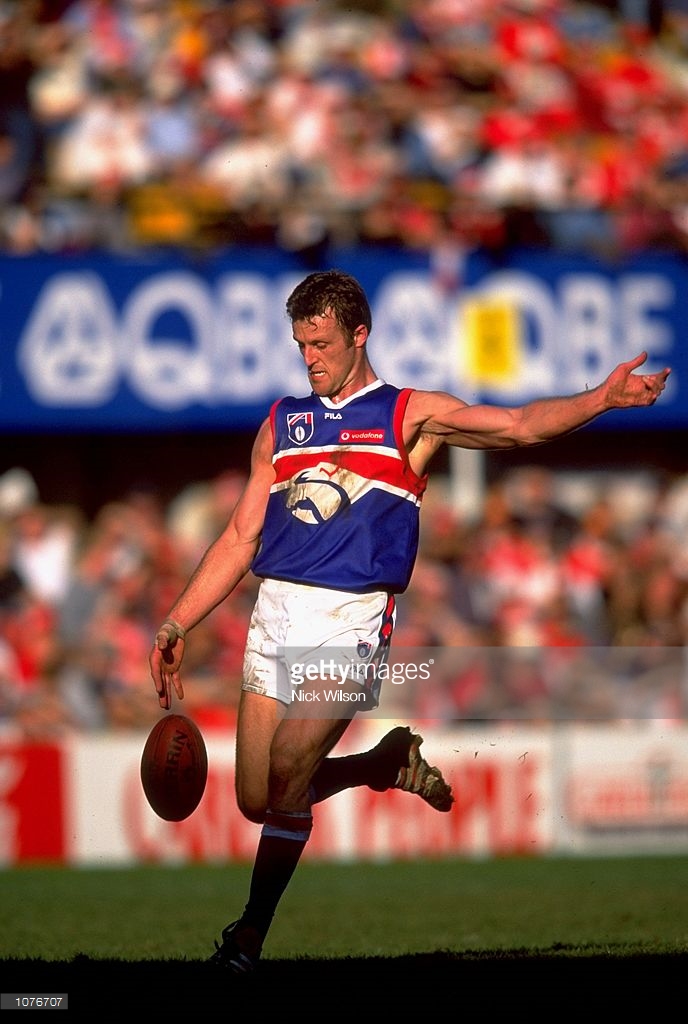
522, 431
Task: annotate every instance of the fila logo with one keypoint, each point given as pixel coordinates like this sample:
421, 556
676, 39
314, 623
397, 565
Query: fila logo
333, 415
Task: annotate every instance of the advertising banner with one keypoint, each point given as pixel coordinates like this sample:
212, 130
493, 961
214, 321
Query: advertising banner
519, 791
105, 343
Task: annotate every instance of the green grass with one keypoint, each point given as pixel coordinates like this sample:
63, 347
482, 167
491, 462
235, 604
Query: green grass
495, 908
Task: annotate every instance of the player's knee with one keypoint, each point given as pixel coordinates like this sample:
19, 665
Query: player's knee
251, 810
251, 798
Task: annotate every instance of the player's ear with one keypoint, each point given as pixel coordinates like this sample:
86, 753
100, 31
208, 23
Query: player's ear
360, 335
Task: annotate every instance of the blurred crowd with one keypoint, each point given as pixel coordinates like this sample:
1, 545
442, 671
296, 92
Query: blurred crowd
433, 124
538, 608
440, 125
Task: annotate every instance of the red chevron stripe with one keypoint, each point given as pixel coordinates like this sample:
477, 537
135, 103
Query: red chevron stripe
371, 465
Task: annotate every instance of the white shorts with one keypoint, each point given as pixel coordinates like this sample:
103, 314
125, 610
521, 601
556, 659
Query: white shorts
299, 633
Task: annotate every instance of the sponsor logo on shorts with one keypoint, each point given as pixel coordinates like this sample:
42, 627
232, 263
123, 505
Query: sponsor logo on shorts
371, 436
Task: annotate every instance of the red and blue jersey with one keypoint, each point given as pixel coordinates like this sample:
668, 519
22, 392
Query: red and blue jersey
344, 509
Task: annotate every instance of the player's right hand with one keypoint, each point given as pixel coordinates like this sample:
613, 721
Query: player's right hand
165, 661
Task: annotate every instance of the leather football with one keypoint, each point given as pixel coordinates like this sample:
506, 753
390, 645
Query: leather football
174, 767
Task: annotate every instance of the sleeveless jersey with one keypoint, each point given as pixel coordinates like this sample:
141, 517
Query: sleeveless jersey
343, 511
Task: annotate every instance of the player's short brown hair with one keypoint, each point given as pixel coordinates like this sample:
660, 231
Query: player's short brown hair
334, 290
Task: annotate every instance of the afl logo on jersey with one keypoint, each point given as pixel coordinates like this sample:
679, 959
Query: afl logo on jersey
300, 426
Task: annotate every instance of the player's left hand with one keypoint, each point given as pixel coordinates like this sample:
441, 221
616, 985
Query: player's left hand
626, 388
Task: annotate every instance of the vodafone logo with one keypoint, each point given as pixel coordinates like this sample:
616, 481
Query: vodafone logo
360, 436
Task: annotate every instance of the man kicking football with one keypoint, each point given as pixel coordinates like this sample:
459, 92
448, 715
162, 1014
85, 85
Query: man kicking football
329, 522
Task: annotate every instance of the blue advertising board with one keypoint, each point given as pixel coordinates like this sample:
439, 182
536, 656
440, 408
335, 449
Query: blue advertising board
155, 343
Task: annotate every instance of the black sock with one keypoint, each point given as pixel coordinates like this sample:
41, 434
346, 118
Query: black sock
338, 773
377, 767
282, 841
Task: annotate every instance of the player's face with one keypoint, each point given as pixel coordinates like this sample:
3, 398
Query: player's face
334, 362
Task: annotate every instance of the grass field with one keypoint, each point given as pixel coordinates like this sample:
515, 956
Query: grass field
146, 932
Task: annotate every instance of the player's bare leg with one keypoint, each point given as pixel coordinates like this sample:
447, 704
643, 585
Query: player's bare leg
297, 746
282, 769
259, 718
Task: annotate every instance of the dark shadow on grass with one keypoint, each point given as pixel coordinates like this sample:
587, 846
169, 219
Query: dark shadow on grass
104, 990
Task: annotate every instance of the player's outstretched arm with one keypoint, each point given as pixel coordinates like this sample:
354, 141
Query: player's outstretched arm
450, 420
221, 568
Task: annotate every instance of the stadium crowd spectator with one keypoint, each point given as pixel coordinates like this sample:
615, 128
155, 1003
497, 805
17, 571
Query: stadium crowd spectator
433, 124
203, 123
532, 610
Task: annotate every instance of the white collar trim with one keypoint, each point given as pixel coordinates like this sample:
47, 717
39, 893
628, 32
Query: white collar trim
329, 404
